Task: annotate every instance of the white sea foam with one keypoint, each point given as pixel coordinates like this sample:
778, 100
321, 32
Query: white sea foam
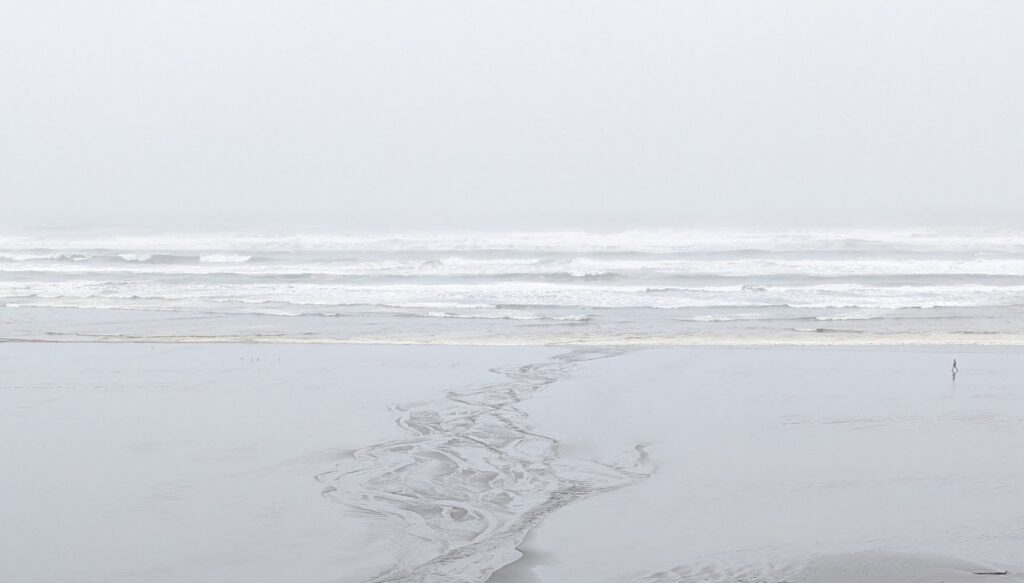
488, 296
574, 267
507, 315
663, 241
224, 258
135, 256
524, 284
724, 318
28, 256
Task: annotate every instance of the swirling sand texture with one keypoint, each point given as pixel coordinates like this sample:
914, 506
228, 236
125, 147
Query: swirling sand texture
472, 479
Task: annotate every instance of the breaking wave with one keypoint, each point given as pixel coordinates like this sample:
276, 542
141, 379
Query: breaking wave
592, 285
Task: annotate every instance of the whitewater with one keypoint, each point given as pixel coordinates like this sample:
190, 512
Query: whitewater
636, 287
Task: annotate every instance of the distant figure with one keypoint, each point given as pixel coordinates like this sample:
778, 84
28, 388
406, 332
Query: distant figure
955, 369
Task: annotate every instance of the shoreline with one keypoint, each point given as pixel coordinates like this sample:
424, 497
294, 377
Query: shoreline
610, 343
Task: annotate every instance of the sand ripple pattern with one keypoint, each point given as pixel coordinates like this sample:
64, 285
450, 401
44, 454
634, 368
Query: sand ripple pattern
473, 479
857, 567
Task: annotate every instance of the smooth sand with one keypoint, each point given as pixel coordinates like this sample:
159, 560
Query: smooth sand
155, 463
767, 458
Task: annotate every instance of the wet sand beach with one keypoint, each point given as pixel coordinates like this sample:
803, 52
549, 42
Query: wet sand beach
235, 462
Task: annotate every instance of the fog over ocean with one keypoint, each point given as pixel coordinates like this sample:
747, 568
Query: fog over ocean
634, 287
512, 292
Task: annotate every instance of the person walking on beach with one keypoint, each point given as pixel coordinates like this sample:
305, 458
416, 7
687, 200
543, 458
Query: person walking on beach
955, 369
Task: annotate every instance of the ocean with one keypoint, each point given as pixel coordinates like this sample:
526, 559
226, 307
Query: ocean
625, 288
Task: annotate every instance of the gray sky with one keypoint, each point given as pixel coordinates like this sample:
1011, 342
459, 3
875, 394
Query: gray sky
527, 114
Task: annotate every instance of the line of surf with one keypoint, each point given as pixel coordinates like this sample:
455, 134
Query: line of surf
809, 338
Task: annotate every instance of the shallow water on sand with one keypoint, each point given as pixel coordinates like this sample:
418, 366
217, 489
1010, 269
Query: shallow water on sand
770, 457
472, 478
427, 464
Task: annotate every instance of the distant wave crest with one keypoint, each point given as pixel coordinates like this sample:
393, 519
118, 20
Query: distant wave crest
224, 258
505, 287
